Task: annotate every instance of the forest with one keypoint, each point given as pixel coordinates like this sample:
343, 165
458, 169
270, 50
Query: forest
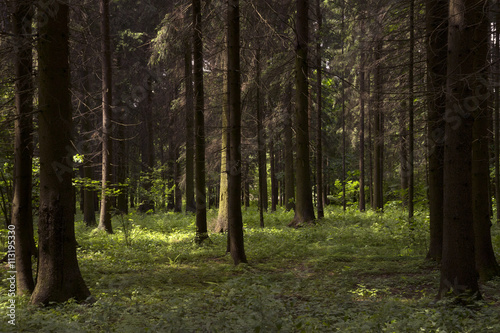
249, 166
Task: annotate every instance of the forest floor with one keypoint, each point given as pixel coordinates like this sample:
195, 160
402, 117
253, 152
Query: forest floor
351, 272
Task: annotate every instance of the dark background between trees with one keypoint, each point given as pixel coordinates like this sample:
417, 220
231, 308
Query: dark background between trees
147, 106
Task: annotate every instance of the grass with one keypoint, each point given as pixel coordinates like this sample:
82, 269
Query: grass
351, 272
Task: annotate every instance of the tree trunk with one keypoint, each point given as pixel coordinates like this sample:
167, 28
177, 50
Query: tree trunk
222, 218
486, 262
411, 113
201, 192
288, 152
106, 199
319, 104
188, 85
458, 266
437, 36
362, 97
304, 209
496, 116
235, 235
177, 176
261, 147
274, 181
22, 216
378, 126
59, 278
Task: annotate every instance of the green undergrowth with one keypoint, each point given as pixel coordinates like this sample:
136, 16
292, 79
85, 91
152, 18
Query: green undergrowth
350, 272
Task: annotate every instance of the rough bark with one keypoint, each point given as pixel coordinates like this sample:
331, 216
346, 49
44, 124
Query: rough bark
235, 234
288, 152
261, 146
486, 262
22, 217
437, 39
304, 209
201, 192
59, 277
319, 111
188, 86
458, 265
378, 127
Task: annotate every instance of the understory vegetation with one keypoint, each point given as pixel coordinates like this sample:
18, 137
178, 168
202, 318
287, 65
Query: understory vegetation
351, 272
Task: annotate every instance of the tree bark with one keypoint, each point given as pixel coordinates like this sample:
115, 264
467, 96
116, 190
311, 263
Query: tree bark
378, 126
235, 235
304, 209
188, 85
458, 265
437, 40
362, 97
411, 113
261, 147
59, 277
201, 192
319, 105
288, 152
486, 262
106, 199
22, 215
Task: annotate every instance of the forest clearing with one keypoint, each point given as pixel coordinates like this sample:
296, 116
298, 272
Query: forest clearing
249, 165
352, 272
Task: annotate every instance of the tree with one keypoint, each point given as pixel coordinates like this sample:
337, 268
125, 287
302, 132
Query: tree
105, 216
304, 209
188, 86
235, 234
437, 40
486, 262
458, 266
288, 151
201, 197
59, 277
261, 143
319, 104
22, 217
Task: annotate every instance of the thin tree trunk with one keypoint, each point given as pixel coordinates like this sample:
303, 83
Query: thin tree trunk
106, 199
288, 152
274, 181
319, 103
222, 218
201, 196
411, 113
235, 235
59, 278
378, 125
362, 97
188, 85
261, 147
22, 216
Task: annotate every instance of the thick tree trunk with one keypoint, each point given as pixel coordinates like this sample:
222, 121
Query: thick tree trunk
22, 217
201, 192
486, 262
304, 209
235, 235
437, 39
458, 265
106, 199
59, 277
